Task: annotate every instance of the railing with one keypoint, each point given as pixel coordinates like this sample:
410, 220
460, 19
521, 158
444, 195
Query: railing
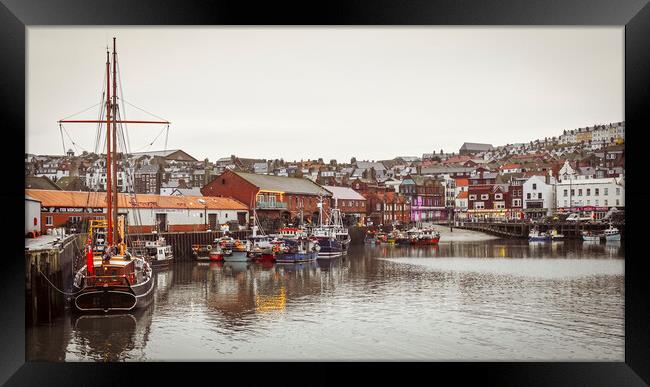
273, 205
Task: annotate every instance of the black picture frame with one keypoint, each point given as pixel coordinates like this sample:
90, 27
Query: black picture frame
16, 15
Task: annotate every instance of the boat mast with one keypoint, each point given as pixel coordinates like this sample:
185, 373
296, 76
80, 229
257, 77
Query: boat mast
109, 201
114, 166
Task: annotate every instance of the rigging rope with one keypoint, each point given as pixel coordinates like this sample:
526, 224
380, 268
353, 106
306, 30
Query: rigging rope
83, 111
119, 79
71, 140
132, 105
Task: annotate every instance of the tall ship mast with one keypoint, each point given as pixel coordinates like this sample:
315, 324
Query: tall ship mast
113, 278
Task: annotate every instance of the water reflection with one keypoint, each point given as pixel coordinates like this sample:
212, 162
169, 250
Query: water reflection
495, 300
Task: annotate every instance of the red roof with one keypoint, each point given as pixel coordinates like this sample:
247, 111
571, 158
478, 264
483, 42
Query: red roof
51, 198
463, 195
461, 181
511, 166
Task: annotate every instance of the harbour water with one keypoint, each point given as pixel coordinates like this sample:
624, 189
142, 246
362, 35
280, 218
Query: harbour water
497, 300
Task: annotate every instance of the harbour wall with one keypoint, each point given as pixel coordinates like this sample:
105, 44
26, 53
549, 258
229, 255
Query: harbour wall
57, 263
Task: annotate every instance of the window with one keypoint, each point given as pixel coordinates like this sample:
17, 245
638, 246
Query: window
605, 202
48, 221
606, 191
588, 191
596, 201
618, 203
75, 219
573, 192
534, 186
596, 191
498, 196
618, 192
539, 195
528, 195
516, 202
378, 207
566, 192
472, 197
580, 192
565, 203
479, 205
484, 196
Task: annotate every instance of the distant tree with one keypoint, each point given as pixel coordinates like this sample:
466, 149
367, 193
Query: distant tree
353, 160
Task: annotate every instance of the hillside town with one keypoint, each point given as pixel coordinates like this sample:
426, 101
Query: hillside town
579, 171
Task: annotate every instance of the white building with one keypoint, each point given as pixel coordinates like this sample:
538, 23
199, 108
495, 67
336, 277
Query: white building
539, 195
575, 194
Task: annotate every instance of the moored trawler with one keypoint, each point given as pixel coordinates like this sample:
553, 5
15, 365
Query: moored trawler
589, 236
537, 236
112, 279
424, 236
297, 250
158, 253
612, 234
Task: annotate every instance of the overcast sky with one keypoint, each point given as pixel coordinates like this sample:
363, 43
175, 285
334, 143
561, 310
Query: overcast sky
330, 92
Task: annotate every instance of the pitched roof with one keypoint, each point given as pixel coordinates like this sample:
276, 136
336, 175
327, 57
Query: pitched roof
476, 146
284, 184
463, 195
173, 154
40, 182
344, 193
51, 198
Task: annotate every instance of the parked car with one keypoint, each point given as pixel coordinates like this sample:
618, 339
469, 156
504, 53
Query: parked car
574, 217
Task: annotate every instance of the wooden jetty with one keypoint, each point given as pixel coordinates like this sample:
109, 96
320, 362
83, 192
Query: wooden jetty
182, 242
50, 264
570, 230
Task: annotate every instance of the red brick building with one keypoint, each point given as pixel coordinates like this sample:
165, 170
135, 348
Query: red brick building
277, 200
488, 201
351, 203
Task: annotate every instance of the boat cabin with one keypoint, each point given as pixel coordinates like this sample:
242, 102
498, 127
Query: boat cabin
115, 272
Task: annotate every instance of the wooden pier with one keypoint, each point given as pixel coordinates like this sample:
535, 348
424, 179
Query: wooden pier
570, 230
182, 242
50, 265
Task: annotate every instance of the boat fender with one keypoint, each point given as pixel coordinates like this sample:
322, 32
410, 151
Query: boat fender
316, 247
209, 247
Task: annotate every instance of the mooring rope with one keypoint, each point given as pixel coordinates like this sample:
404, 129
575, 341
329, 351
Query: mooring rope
57, 289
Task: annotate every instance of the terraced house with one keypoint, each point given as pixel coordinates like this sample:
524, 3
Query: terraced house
426, 197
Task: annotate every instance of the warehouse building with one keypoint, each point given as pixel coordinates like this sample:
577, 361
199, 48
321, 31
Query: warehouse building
71, 209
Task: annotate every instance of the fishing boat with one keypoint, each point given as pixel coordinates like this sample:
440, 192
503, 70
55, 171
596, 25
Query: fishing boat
202, 252
402, 239
556, 236
425, 236
262, 247
158, 253
339, 230
297, 250
612, 234
537, 236
589, 236
113, 279
371, 237
291, 233
236, 250
325, 236
216, 253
